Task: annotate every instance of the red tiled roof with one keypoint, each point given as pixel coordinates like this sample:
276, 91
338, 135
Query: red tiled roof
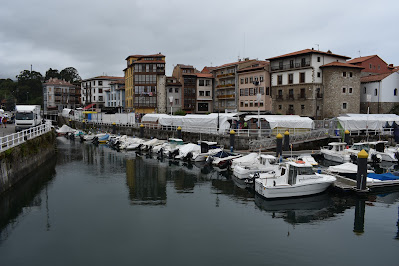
204, 75
373, 78
261, 65
105, 77
149, 61
308, 51
341, 64
232, 64
207, 69
360, 59
185, 66
121, 81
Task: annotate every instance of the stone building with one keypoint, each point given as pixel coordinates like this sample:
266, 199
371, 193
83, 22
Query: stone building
173, 95
341, 89
204, 93
185, 74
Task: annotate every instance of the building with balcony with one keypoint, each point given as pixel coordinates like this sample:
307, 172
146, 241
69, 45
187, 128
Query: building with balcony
59, 94
226, 85
141, 78
185, 74
204, 91
299, 86
173, 95
254, 80
115, 97
93, 90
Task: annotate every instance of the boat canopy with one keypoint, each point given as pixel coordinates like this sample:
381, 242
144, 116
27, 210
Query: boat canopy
353, 122
286, 121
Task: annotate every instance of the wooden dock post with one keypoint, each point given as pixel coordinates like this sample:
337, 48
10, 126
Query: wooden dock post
361, 170
279, 149
286, 141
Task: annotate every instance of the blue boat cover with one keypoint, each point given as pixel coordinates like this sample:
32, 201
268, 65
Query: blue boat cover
383, 177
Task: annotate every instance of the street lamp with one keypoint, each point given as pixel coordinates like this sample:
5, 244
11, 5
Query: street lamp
258, 98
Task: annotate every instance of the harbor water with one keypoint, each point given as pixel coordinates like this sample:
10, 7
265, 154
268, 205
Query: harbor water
92, 205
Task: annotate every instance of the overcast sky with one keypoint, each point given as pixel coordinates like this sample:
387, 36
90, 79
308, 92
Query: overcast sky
95, 37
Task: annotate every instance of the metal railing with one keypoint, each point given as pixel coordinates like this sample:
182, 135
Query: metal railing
15, 139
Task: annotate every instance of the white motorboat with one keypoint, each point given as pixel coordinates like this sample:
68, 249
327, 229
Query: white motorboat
220, 158
245, 160
262, 163
369, 148
336, 152
380, 149
291, 180
346, 169
186, 151
133, 144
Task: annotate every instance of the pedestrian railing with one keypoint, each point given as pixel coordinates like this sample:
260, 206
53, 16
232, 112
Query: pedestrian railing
15, 139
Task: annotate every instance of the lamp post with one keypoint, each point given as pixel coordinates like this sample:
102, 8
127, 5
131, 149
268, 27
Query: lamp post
171, 104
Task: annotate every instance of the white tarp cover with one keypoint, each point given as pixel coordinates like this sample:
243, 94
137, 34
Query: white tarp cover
353, 122
288, 121
66, 112
199, 123
65, 129
152, 117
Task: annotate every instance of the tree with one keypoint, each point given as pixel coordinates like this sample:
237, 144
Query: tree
70, 74
30, 88
52, 73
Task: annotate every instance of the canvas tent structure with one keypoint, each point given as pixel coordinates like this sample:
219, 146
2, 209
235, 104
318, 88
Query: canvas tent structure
194, 123
281, 123
371, 122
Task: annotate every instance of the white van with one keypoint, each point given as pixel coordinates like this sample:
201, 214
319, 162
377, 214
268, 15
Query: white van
27, 116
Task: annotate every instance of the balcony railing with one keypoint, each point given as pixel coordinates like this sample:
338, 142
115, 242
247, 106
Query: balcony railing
227, 96
226, 75
290, 66
225, 85
279, 97
290, 97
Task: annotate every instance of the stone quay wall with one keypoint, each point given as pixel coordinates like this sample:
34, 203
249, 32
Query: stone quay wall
18, 163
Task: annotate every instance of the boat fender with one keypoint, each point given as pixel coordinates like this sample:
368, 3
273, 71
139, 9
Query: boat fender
300, 162
274, 183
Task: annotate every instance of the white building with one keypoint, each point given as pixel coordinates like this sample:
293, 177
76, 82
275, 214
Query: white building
379, 92
115, 97
58, 94
173, 95
93, 90
204, 93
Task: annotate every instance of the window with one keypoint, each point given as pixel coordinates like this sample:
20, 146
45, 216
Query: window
291, 63
251, 79
302, 77
343, 90
176, 101
350, 74
267, 91
375, 92
246, 92
344, 106
241, 104
100, 83
246, 103
207, 93
364, 90
318, 59
379, 67
261, 104
344, 74
318, 74
260, 78
170, 89
261, 90
201, 93
290, 78
251, 92
242, 82
246, 80
251, 104
201, 82
350, 90
279, 79
241, 92
370, 66
280, 65
176, 90
302, 107
280, 107
395, 92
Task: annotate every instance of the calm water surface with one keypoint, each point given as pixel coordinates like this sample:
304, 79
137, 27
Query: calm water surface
95, 206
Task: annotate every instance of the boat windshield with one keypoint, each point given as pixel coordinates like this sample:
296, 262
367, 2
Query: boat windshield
305, 170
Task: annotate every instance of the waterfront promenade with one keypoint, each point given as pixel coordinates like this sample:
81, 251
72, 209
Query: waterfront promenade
10, 129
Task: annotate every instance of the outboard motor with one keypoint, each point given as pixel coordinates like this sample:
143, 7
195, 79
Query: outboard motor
188, 157
353, 158
375, 159
380, 147
81, 139
204, 147
397, 155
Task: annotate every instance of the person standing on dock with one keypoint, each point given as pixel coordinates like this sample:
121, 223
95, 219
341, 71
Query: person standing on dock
5, 121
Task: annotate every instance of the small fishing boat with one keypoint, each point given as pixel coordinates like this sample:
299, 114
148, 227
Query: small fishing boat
291, 179
346, 169
222, 158
208, 148
336, 152
262, 163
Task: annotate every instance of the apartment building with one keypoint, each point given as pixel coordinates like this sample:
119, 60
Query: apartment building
254, 80
204, 93
93, 90
115, 97
141, 78
185, 74
226, 85
299, 87
173, 95
59, 94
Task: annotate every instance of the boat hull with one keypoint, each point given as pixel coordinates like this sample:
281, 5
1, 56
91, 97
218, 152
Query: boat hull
336, 158
288, 191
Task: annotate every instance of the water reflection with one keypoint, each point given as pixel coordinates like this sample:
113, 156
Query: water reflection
25, 196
